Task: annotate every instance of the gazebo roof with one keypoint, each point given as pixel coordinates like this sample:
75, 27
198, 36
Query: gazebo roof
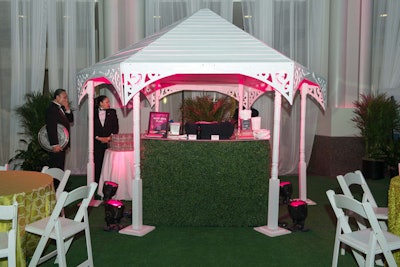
203, 48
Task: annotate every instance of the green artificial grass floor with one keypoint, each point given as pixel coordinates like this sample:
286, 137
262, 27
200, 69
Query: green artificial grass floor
222, 246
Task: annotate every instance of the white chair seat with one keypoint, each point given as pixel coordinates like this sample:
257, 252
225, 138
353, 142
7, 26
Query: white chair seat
360, 239
69, 227
381, 212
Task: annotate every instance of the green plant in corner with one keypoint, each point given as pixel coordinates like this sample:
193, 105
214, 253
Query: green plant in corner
376, 116
32, 118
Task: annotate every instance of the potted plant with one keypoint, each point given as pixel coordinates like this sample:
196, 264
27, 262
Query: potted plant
205, 117
376, 116
32, 118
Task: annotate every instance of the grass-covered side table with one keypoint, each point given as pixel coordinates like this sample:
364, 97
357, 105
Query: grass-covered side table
205, 183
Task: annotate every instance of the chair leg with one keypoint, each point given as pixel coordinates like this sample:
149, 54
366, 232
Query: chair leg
359, 258
390, 261
38, 251
370, 260
336, 253
89, 246
61, 251
62, 261
12, 260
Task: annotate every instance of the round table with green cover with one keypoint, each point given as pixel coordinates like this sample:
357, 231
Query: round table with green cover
34, 192
394, 211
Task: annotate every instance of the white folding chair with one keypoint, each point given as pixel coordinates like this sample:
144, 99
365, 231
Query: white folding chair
8, 240
4, 167
356, 178
60, 175
365, 243
62, 229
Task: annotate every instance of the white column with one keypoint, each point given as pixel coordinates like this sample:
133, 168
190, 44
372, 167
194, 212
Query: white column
157, 102
337, 53
90, 164
272, 228
302, 160
137, 228
364, 83
240, 106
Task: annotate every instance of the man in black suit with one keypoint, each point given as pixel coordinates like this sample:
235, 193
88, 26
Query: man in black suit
105, 124
58, 112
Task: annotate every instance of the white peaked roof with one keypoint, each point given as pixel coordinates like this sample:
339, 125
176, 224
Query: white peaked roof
203, 48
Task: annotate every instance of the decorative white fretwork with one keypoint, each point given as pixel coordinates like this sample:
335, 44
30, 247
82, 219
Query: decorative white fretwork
316, 85
105, 75
134, 82
316, 93
278, 80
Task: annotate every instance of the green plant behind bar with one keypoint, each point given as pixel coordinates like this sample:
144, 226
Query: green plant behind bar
205, 109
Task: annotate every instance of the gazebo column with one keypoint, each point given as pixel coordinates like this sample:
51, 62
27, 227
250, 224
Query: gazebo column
302, 161
240, 106
137, 228
90, 164
272, 228
157, 103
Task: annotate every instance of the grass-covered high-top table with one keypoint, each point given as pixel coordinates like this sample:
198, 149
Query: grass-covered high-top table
204, 182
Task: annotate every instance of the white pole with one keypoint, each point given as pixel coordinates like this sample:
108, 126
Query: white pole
272, 228
302, 161
137, 228
137, 207
240, 107
157, 102
90, 164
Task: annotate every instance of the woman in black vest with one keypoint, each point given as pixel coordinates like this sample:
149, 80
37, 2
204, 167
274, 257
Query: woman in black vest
105, 124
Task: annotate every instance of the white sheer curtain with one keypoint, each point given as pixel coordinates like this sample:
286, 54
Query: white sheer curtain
162, 13
5, 81
71, 47
67, 28
28, 49
386, 55
298, 29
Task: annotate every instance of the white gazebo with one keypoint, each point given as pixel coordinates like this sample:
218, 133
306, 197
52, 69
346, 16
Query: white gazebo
203, 49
